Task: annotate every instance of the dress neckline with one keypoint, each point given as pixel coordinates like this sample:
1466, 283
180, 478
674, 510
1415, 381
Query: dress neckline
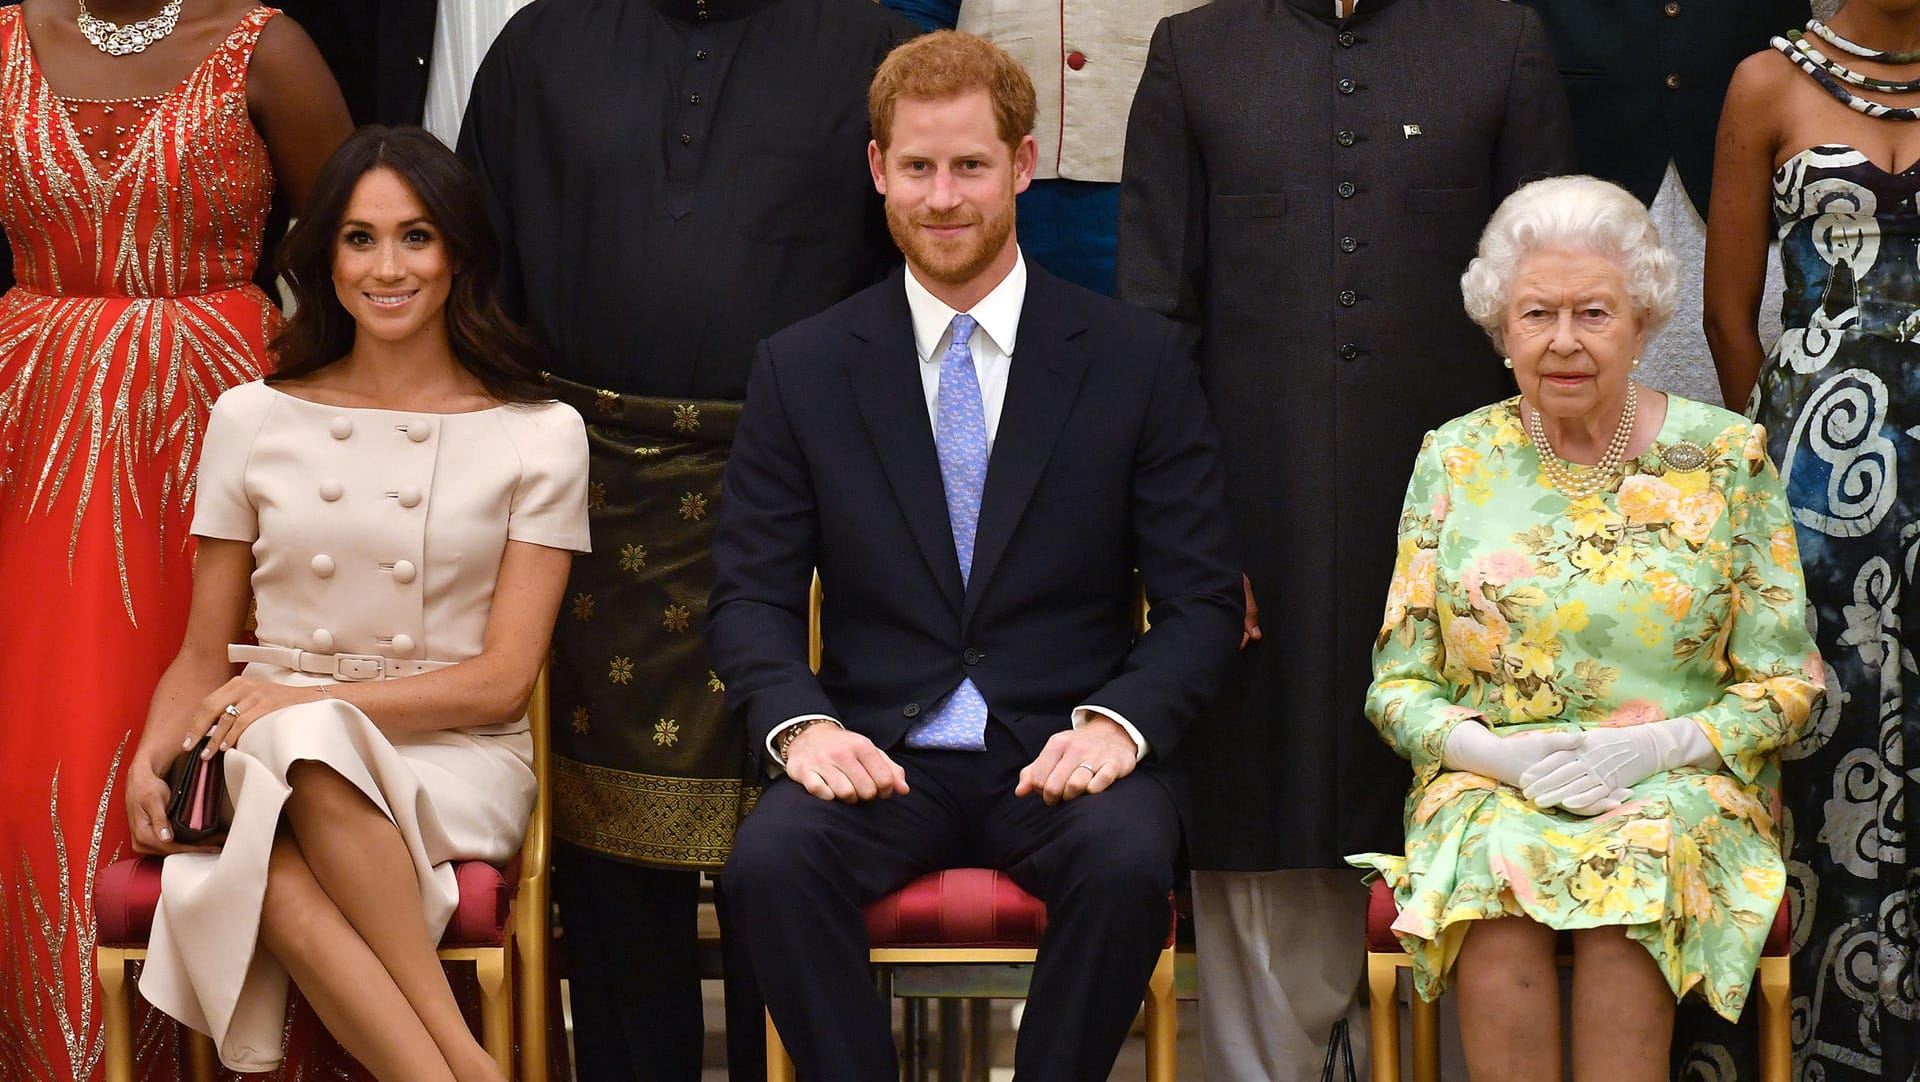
40, 75
1512, 408
1864, 157
66, 121
384, 410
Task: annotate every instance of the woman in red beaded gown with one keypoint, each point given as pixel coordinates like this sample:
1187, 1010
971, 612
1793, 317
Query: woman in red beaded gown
134, 185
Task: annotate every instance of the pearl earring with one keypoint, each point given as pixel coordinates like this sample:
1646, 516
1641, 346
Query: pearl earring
1508, 361
1636, 362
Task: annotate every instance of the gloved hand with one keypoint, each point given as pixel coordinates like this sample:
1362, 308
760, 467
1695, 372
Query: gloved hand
1595, 776
1472, 748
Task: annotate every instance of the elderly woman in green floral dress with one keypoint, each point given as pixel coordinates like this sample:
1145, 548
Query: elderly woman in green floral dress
1594, 648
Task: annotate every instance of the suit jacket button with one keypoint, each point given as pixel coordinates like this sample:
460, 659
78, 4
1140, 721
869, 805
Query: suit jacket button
911, 710
971, 657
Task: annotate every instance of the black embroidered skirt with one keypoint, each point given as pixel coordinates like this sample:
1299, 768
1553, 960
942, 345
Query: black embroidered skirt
648, 765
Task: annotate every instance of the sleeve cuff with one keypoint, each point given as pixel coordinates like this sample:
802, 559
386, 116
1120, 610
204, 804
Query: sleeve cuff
773, 737
1086, 712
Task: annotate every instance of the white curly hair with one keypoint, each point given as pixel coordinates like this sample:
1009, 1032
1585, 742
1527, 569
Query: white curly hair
1571, 213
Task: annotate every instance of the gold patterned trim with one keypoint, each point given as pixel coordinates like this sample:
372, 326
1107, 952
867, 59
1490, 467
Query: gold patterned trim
679, 822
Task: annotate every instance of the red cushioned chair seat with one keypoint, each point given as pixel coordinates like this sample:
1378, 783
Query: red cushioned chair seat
1381, 914
959, 907
977, 908
128, 891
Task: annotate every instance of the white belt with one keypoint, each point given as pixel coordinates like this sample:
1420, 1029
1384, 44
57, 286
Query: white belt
339, 666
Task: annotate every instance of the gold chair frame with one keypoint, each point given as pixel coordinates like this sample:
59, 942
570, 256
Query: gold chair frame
513, 974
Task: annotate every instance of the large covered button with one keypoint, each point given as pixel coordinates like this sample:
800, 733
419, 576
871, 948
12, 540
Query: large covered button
322, 640
403, 645
419, 430
331, 490
409, 495
404, 571
340, 427
322, 565
1076, 60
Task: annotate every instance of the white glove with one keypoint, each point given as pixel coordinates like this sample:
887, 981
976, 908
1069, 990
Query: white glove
1597, 773
1472, 748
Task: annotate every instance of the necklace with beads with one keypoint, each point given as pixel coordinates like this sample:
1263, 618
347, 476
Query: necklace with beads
1578, 486
115, 39
1826, 33
1834, 77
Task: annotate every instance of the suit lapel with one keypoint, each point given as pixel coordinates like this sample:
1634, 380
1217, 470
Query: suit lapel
893, 404
1042, 383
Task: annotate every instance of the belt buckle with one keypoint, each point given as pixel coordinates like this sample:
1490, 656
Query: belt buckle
359, 666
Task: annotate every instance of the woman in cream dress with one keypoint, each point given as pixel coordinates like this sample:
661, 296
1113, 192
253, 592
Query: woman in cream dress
401, 505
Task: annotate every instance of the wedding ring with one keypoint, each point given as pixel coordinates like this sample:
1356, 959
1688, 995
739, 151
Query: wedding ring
232, 710
1088, 767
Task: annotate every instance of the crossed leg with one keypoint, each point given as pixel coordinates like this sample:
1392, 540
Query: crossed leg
342, 914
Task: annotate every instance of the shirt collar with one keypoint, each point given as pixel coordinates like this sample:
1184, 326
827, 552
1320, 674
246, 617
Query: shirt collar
1325, 8
998, 313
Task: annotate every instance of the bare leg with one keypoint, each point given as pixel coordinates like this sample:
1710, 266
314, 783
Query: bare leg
1622, 1009
1509, 1001
358, 858
347, 986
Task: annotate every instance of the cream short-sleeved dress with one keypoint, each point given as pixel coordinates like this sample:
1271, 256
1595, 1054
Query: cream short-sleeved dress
378, 533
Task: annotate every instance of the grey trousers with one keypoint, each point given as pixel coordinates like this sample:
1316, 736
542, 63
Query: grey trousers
1281, 956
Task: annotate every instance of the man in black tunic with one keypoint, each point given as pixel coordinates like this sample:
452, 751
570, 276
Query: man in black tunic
672, 180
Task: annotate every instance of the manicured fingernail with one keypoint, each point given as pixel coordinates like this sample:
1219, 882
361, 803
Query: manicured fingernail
166, 835
187, 744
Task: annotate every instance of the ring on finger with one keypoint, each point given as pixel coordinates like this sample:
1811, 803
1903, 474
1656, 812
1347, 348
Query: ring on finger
232, 710
1088, 767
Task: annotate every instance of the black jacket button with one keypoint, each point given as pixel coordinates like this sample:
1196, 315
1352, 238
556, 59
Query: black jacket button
911, 710
972, 656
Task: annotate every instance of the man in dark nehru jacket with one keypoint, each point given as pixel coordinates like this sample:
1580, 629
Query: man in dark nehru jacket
672, 180
976, 509
1304, 187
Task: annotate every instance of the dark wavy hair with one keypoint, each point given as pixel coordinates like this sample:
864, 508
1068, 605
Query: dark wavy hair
485, 340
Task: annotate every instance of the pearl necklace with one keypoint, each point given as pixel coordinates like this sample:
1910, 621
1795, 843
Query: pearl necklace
117, 40
1597, 476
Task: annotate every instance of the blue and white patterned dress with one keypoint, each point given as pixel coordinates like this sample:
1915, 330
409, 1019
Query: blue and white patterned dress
1840, 398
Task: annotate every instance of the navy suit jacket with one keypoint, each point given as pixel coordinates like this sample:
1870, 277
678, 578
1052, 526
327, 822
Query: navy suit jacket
1104, 461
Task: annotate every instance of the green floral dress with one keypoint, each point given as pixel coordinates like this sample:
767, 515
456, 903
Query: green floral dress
1676, 594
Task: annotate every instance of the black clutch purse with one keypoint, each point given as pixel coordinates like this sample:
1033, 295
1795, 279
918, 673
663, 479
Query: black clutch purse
197, 808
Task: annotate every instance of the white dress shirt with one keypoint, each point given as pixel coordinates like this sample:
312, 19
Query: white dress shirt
998, 325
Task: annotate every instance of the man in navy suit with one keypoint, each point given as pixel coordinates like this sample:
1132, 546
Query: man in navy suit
976, 456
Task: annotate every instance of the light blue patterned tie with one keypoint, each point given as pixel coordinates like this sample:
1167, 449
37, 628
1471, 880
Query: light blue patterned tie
960, 435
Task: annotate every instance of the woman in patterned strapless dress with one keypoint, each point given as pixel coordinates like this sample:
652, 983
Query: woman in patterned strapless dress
133, 188
1818, 147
